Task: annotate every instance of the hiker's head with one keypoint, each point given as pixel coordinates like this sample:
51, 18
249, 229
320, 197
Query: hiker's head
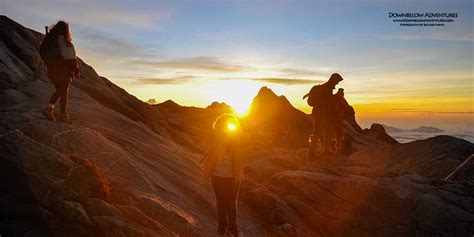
226, 124
334, 80
340, 92
61, 28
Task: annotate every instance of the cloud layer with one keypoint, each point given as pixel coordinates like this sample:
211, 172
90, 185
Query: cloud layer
196, 63
288, 81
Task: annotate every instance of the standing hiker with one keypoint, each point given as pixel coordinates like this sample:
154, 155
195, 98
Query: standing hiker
58, 52
347, 111
342, 108
224, 165
324, 111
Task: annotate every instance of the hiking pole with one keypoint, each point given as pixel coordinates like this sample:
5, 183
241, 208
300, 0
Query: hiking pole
459, 167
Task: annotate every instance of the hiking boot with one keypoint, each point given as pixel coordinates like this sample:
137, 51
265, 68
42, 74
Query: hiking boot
48, 114
64, 118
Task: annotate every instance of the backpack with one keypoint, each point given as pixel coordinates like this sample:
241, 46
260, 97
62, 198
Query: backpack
49, 50
314, 96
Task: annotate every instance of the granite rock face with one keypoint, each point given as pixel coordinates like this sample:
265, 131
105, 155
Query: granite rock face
139, 175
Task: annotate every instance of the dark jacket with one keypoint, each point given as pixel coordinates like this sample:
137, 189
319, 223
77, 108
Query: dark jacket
68, 67
219, 147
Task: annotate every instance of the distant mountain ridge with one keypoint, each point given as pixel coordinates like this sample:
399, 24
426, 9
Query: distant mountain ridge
421, 129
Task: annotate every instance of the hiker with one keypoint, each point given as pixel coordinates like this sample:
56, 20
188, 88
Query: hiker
346, 110
342, 108
324, 111
224, 165
58, 52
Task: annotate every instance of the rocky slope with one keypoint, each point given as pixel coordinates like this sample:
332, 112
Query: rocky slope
126, 168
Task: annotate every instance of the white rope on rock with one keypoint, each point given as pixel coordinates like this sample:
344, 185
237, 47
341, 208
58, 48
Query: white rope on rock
459, 167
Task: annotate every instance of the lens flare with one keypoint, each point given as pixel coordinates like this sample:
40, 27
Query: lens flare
231, 127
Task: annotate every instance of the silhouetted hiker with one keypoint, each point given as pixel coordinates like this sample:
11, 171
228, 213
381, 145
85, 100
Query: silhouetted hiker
58, 52
348, 112
224, 165
324, 111
343, 109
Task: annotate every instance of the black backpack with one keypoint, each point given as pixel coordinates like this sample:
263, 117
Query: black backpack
314, 96
49, 50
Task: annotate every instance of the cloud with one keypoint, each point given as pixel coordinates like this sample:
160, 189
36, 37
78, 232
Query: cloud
109, 47
103, 40
302, 72
196, 63
188, 78
288, 81
104, 46
164, 81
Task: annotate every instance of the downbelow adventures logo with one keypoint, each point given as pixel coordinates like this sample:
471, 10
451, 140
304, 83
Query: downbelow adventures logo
423, 18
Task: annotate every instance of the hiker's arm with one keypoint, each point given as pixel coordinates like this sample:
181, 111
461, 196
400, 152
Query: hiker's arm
68, 52
75, 65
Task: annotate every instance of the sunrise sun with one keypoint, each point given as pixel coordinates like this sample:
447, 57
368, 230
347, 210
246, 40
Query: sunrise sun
236, 93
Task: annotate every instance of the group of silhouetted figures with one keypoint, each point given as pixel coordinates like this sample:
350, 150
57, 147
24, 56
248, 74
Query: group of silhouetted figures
329, 111
223, 162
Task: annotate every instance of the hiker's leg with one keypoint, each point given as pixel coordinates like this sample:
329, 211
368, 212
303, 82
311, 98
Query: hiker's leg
346, 148
54, 98
327, 136
313, 138
64, 93
219, 190
318, 132
234, 188
339, 135
326, 141
332, 137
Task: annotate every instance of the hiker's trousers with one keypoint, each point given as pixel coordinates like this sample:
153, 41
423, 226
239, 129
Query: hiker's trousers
61, 93
226, 190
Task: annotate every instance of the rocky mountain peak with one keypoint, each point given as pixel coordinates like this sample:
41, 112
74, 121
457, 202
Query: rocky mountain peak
219, 106
267, 96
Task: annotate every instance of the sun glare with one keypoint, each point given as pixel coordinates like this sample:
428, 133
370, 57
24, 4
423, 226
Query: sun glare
231, 126
236, 93
241, 109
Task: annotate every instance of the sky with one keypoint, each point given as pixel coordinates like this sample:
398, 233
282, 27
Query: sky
197, 52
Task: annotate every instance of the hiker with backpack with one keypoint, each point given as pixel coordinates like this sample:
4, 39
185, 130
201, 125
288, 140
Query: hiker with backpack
58, 52
324, 112
223, 164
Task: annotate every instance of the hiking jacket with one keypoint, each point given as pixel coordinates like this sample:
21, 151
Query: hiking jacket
343, 107
217, 151
327, 107
66, 68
